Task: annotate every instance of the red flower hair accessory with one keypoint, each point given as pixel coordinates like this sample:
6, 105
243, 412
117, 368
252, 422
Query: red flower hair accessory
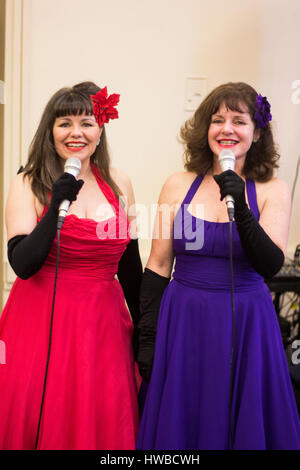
104, 106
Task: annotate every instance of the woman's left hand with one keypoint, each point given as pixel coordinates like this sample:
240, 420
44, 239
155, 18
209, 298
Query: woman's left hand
231, 183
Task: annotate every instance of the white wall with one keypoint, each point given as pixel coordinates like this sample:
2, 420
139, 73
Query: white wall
279, 69
144, 50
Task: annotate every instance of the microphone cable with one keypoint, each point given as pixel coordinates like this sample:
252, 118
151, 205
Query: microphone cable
72, 167
50, 342
232, 337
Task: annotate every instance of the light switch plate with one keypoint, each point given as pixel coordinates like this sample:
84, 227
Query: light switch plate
195, 91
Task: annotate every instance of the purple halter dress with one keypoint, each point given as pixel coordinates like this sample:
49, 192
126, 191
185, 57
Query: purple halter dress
187, 403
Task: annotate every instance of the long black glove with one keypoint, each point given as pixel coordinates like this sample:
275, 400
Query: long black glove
27, 253
130, 273
262, 253
152, 289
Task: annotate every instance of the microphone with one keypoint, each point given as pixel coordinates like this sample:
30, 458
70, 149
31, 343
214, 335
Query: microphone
227, 162
72, 166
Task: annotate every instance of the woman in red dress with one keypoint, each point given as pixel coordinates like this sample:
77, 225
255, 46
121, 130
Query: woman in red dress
83, 394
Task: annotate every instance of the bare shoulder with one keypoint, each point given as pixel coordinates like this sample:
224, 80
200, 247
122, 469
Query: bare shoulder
124, 183
21, 187
274, 203
179, 178
20, 192
274, 189
21, 211
119, 175
120, 178
176, 187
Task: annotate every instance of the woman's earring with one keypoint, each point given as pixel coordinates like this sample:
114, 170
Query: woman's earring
255, 140
98, 142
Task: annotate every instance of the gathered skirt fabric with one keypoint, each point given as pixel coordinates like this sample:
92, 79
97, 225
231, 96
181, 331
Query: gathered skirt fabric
90, 400
187, 405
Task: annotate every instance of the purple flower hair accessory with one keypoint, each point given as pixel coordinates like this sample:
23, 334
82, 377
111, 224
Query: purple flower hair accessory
262, 111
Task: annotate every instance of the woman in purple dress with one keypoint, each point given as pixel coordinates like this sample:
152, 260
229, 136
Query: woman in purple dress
220, 378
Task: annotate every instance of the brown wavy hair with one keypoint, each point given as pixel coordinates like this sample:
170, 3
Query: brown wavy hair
262, 156
44, 165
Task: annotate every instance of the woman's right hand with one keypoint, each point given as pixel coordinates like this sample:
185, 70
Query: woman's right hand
65, 187
231, 183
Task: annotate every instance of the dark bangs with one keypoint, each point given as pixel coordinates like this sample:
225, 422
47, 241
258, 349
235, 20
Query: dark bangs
72, 103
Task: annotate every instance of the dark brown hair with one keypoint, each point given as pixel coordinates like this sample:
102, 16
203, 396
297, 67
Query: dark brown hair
262, 156
44, 165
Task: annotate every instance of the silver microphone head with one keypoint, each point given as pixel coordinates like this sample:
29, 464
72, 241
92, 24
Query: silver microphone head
73, 166
227, 160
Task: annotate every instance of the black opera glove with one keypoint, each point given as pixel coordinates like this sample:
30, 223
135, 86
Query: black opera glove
130, 272
262, 253
152, 289
231, 183
27, 253
65, 187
